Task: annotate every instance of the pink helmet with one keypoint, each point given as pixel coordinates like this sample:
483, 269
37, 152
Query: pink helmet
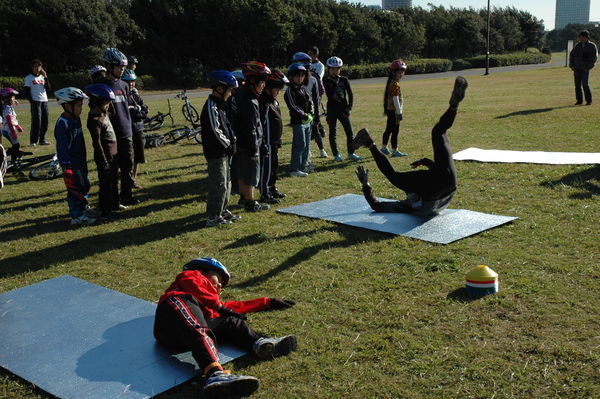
398, 65
8, 92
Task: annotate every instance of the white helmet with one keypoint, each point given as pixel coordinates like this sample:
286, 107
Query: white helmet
335, 62
113, 56
69, 94
95, 69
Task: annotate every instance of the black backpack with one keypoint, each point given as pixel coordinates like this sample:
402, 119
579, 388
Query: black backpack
154, 140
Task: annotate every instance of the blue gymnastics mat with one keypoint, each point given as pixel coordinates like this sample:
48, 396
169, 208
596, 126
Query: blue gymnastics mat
351, 209
74, 339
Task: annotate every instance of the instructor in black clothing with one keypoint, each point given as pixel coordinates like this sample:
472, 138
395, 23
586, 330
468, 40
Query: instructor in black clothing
581, 61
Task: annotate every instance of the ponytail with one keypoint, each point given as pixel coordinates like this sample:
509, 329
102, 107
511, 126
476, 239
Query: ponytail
391, 76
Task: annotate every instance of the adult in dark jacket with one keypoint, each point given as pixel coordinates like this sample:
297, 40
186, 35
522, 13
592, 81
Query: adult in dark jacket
581, 61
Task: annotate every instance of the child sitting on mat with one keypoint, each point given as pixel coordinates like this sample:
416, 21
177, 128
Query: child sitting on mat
428, 191
191, 316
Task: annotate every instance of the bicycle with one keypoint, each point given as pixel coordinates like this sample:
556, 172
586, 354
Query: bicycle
49, 169
189, 112
158, 120
175, 135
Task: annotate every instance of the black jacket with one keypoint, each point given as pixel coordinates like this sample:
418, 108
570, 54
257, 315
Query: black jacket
218, 139
583, 56
339, 93
298, 102
138, 110
247, 121
273, 124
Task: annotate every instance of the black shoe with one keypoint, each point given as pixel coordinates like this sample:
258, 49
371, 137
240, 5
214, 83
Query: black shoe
269, 200
277, 194
44, 143
458, 93
221, 385
241, 201
119, 207
130, 201
362, 139
579, 103
255, 206
588, 103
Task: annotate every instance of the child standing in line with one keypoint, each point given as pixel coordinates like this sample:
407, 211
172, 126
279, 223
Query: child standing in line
339, 106
97, 73
70, 149
191, 316
11, 127
392, 107
218, 141
301, 114
36, 85
139, 112
273, 128
104, 142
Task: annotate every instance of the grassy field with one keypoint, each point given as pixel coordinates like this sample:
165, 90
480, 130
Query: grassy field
377, 316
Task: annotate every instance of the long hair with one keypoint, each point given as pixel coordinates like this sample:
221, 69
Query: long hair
391, 78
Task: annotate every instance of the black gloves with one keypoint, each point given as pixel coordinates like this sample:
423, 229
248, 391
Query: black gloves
224, 312
277, 303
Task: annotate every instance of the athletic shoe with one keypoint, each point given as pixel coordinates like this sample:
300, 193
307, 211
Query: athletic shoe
255, 206
338, 158
397, 154
458, 93
44, 143
220, 385
385, 150
588, 103
32, 144
120, 207
353, 157
130, 201
266, 348
269, 200
298, 173
216, 220
309, 168
83, 220
362, 139
92, 213
135, 185
322, 154
227, 215
579, 103
276, 194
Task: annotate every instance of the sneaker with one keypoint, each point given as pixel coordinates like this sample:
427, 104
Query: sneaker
322, 154
130, 201
579, 103
92, 213
216, 220
135, 185
309, 169
458, 93
588, 103
298, 173
120, 207
267, 348
362, 139
255, 206
83, 220
276, 194
220, 385
44, 143
397, 154
338, 158
32, 144
269, 200
230, 216
385, 150
353, 157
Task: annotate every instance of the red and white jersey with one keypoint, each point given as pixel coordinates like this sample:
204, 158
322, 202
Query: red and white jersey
36, 85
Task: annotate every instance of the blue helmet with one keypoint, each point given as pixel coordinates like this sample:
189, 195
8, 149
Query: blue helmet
113, 56
209, 264
100, 91
222, 77
295, 67
301, 57
239, 75
128, 75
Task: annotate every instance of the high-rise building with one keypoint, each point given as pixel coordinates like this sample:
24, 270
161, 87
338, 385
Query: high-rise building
571, 12
391, 4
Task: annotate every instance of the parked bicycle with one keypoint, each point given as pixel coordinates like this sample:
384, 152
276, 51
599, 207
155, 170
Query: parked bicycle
49, 168
175, 135
189, 112
158, 120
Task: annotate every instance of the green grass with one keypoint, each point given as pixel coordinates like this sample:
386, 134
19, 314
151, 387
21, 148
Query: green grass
377, 316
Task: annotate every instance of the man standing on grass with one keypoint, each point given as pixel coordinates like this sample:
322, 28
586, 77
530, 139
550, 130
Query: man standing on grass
581, 60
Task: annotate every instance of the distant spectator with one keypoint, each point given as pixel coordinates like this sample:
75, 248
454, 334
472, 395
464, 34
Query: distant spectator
36, 85
132, 62
317, 65
581, 61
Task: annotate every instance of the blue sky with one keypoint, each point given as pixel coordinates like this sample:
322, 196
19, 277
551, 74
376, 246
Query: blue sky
542, 9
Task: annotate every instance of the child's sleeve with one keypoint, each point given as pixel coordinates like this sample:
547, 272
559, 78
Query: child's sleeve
350, 94
200, 288
329, 86
215, 125
396, 94
289, 100
95, 133
62, 143
11, 126
253, 305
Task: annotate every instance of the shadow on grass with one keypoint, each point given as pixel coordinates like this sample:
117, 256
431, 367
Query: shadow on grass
531, 111
461, 295
352, 236
37, 205
582, 180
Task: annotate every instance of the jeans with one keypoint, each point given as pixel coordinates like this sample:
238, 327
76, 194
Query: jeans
300, 146
77, 193
581, 79
39, 122
219, 185
332, 117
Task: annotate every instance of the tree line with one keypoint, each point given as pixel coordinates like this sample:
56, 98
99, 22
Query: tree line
181, 39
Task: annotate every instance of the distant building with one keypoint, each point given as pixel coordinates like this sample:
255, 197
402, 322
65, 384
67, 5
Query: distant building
570, 12
375, 7
391, 4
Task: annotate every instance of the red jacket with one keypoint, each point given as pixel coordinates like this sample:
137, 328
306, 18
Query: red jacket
193, 282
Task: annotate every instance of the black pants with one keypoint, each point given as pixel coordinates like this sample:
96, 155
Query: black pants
268, 172
180, 326
581, 80
391, 129
125, 156
333, 116
108, 187
430, 184
39, 121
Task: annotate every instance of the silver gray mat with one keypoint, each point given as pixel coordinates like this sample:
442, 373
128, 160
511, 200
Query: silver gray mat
351, 209
75, 339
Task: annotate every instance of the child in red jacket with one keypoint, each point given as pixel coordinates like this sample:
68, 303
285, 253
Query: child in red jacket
191, 316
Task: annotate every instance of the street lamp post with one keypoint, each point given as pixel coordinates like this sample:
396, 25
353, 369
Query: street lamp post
487, 52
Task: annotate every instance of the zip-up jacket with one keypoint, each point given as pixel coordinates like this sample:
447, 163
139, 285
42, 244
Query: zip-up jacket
269, 106
247, 125
298, 102
139, 110
103, 137
194, 283
339, 93
120, 117
218, 138
583, 56
11, 124
70, 145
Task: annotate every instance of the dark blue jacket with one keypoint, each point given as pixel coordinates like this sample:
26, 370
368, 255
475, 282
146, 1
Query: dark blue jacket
70, 145
120, 116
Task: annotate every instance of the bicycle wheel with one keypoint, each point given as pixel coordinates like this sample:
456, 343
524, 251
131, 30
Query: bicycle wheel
175, 135
46, 171
198, 137
190, 113
154, 123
